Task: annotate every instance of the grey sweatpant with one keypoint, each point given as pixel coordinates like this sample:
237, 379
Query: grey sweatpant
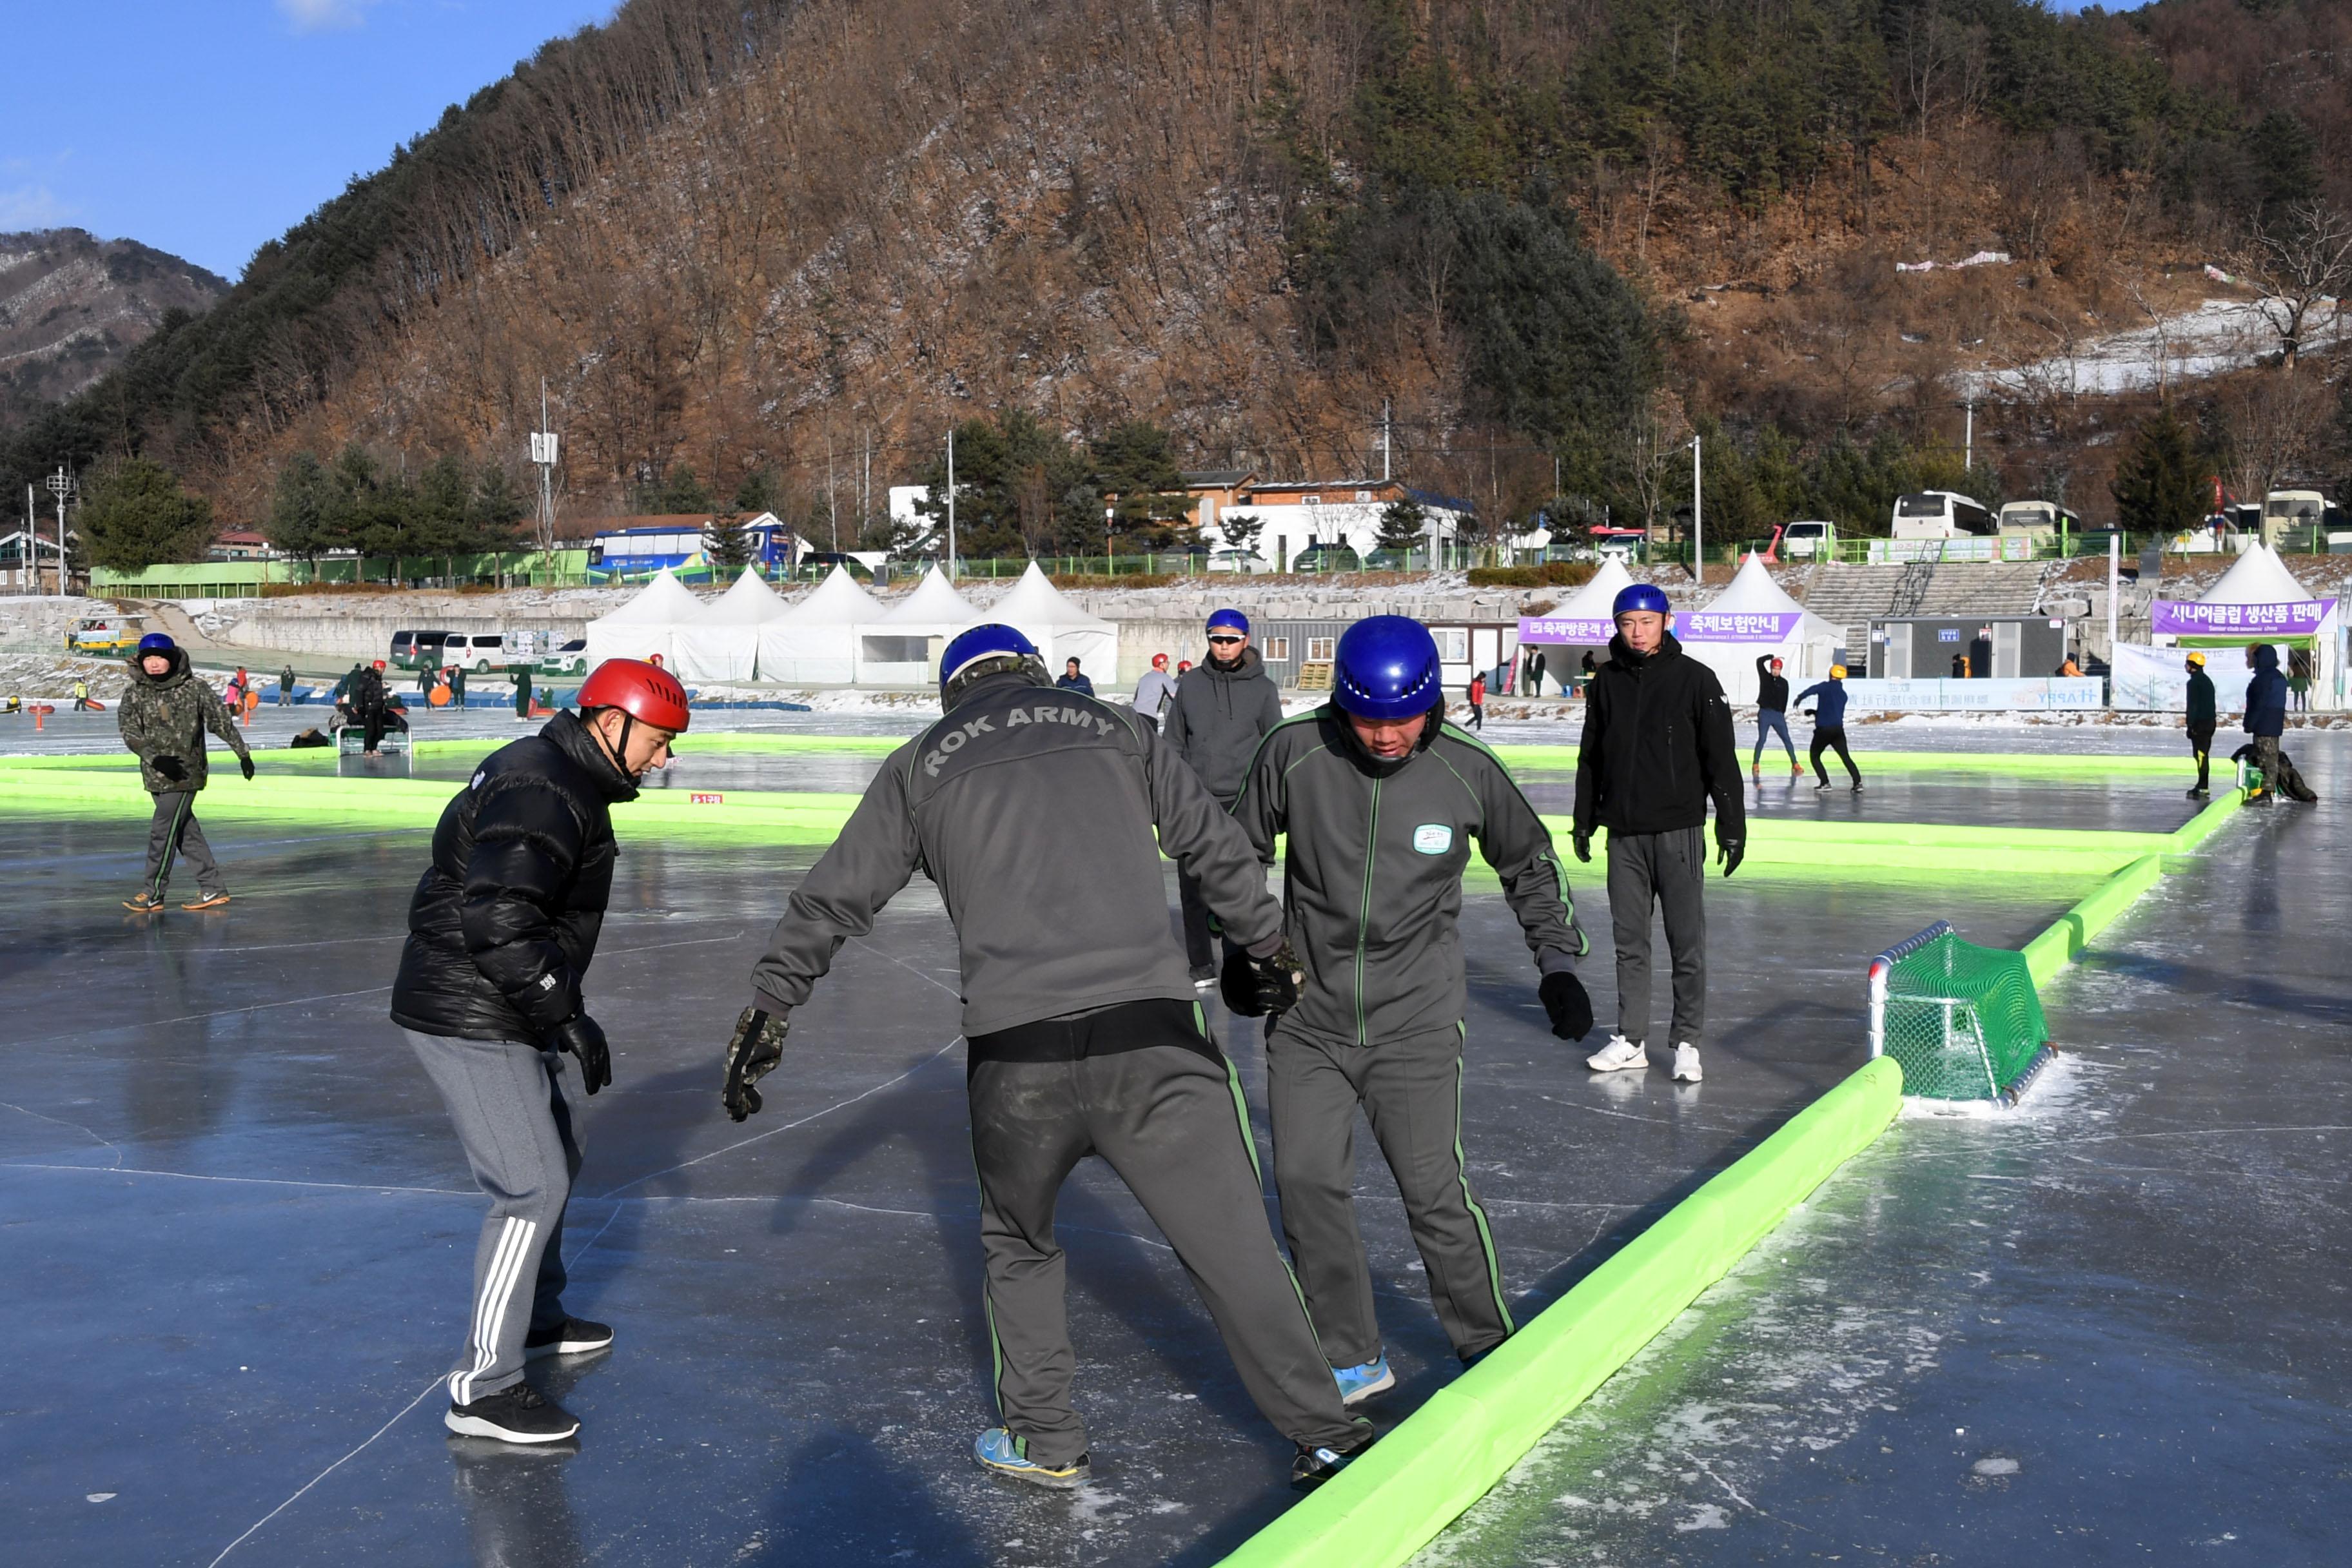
1170, 1122
174, 831
1666, 871
506, 1101
1411, 1090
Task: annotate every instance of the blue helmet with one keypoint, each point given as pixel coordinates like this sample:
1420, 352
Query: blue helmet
156, 642
1386, 668
1639, 596
984, 650
1229, 619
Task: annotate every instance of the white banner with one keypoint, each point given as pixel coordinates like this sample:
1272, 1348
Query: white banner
2040, 694
1975, 547
2156, 679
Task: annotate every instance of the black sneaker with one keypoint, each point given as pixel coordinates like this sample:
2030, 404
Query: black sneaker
517, 1414
143, 903
1823, 784
1316, 1463
2200, 794
573, 1336
1857, 786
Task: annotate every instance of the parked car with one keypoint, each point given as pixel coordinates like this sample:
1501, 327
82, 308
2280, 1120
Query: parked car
418, 649
1327, 558
113, 634
1804, 541
479, 651
1245, 560
571, 659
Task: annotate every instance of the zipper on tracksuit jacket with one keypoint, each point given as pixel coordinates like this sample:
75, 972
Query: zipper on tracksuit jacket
1364, 915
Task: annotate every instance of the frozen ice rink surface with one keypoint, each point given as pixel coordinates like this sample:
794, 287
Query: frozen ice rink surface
240, 1233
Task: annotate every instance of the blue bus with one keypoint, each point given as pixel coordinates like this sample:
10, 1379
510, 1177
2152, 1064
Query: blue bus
625, 553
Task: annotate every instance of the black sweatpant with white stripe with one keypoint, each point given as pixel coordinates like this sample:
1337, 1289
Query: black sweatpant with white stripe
506, 1101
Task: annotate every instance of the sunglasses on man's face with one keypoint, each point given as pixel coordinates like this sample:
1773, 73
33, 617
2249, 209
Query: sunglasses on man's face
1216, 640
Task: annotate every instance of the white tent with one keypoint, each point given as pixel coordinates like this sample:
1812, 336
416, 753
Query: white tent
901, 647
646, 625
1581, 622
816, 641
2257, 600
1751, 619
1060, 627
723, 642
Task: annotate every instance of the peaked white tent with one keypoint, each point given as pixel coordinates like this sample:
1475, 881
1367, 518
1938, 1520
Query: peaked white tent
1753, 618
1060, 627
1581, 621
814, 643
723, 642
901, 647
645, 626
2257, 600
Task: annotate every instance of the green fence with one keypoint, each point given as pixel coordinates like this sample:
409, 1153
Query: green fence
251, 579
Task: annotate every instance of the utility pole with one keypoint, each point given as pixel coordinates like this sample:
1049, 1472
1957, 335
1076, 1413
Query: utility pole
543, 454
1698, 532
1388, 438
62, 486
951, 555
1968, 437
832, 512
2114, 578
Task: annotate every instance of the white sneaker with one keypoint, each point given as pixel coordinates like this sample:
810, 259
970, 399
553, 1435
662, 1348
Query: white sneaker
1618, 1056
1686, 1063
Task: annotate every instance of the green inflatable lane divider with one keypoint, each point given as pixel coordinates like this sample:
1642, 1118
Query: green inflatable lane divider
2055, 948
2039, 765
1444, 1457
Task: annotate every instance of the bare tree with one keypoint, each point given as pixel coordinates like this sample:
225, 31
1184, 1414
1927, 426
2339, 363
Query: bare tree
2303, 264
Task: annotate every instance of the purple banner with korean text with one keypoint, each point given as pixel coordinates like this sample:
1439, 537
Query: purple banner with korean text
2189, 618
1595, 630
1738, 625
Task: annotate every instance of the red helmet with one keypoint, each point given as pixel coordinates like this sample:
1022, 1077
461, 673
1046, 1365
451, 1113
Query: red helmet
379, 664
646, 692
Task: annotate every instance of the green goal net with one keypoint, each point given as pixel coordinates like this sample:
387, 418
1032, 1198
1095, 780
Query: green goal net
1964, 1021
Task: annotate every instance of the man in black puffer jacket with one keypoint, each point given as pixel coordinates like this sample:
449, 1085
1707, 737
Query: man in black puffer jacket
1657, 746
1223, 706
500, 933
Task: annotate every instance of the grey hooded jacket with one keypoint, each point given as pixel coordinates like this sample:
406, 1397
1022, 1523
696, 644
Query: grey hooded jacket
1033, 809
1218, 719
1373, 879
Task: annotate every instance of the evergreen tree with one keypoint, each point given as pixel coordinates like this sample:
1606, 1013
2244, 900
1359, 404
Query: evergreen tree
1241, 529
726, 544
297, 509
135, 514
1019, 487
1404, 525
678, 493
438, 523
497, 509
1136, 462
2158, 487
759, 492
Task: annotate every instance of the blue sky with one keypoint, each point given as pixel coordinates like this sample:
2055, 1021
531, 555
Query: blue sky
206, 127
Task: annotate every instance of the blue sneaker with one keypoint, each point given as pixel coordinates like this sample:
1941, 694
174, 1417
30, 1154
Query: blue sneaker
1000, 1452
1360, 1382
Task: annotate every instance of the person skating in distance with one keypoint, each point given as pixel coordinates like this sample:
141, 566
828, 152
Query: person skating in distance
1772, 717
501, 930
1828, 698
1382, 800
165, 714
1033, 811
1657, 747
2201, 717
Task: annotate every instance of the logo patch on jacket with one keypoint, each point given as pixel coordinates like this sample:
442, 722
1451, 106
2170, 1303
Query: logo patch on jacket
1433, 838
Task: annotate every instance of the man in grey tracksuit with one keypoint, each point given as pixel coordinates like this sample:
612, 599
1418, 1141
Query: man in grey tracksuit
1372, 892
1034, 812
1223, 706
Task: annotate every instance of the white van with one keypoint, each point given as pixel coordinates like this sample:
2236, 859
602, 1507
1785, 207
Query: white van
1942, 515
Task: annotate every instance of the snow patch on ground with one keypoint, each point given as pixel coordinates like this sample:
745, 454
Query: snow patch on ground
2217, 336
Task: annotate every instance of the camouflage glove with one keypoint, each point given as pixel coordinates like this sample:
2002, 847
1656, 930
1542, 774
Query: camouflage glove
752, 1053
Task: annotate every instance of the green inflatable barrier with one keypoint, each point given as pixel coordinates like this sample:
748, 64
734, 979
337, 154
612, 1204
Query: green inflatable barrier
1443, 1457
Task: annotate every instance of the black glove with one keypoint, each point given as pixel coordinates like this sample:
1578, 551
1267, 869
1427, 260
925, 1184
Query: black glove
1730, 852
753, 1052
245, 765
171, 768
581, 1036
1254, 987
1584, 847
1570, 1009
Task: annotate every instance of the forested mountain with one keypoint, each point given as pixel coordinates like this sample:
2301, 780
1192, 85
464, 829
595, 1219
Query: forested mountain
72, 306
794, 242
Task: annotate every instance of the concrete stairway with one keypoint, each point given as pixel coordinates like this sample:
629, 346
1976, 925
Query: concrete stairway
1849, 596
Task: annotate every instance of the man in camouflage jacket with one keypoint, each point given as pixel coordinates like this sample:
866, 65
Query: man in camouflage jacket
164, 714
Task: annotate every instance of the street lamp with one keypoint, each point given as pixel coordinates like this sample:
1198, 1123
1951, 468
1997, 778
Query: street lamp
1698, 536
